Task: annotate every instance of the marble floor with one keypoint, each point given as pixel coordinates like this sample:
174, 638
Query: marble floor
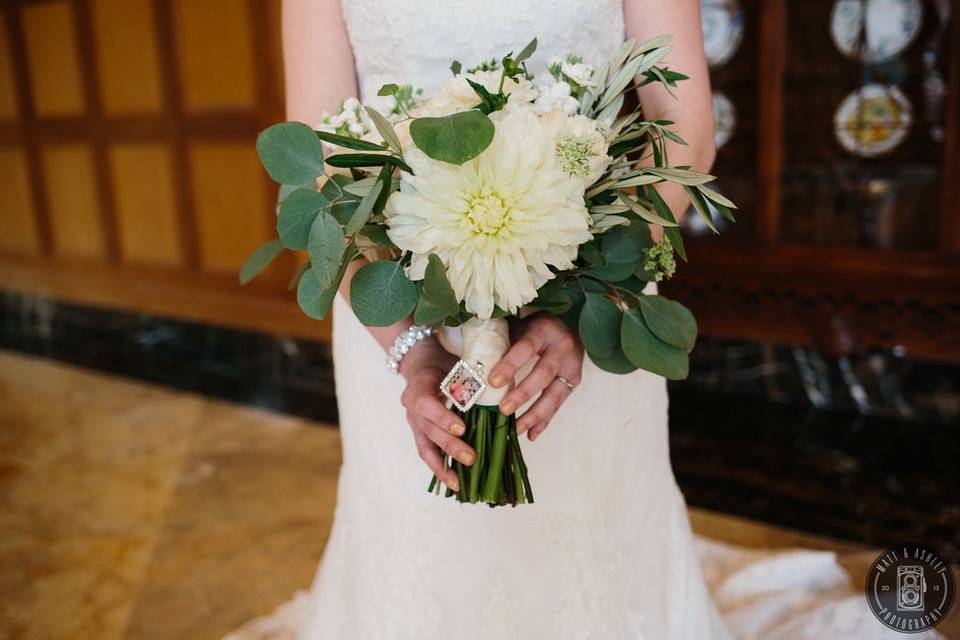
128, 510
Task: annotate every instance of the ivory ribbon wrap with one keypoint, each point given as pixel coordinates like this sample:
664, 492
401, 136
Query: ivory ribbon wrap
486, 341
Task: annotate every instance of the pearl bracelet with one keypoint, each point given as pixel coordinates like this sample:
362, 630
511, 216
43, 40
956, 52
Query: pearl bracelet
404, 342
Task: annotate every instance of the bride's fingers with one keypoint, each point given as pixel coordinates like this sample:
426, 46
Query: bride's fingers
423, 402
534, 432
430, 454
542, 375
544, 408
448, 443
521, 351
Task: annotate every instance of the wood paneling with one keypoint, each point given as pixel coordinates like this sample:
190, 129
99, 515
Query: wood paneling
127, 56
8, 87
230, 202
18, 231
215, 53
146, 215
75, 215
53, 59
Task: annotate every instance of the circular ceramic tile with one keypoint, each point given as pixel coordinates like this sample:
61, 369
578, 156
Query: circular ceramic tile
875, 30
722, 22
724, 119
873, 120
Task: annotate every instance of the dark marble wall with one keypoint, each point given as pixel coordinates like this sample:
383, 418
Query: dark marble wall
859, 448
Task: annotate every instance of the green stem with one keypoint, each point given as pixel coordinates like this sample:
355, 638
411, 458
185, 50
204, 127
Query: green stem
479, 442
491, 488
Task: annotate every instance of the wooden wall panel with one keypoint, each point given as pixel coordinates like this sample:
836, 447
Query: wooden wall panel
52, 58
230, 202
127, 56
216, 53
144, 194
75, 215
8, 88
18, 232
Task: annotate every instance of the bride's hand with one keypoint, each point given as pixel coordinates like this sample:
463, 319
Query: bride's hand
560, 353
435, 427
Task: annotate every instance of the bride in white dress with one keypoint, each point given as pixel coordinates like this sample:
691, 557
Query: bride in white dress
606, 551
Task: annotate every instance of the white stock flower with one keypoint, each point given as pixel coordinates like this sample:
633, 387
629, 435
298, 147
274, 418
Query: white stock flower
579, 72
456, 94
498, 222
554, 95
581, 146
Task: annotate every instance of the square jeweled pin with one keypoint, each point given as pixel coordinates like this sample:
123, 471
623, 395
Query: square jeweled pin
464, 385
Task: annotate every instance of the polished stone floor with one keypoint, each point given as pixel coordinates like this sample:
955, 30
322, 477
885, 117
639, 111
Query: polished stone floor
128, 510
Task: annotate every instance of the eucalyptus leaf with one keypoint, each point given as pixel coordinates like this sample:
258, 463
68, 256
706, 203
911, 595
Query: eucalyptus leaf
437, 298
295, 279
326, 246
456, 138
670, 321
291, 153
314, 299
382, 294
377, 233
599, 325
297, 213
616, 362
259, 259
648, 352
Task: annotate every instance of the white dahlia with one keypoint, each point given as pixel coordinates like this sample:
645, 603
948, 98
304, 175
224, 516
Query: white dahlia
498, 222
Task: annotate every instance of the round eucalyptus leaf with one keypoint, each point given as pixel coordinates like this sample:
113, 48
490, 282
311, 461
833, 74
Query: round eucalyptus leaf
297, 213
291, 153
437, 298
615, 363
326, 246
314, 300
259, 260
599, 325
456, 138
670, 321
382, 294
648, 352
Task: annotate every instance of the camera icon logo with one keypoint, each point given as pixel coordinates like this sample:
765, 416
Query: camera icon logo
910, 588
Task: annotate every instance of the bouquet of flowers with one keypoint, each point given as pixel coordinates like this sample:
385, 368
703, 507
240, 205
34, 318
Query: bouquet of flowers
499, 193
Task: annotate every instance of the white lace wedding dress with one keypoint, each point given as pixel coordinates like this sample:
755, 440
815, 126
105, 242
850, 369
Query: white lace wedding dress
606, 551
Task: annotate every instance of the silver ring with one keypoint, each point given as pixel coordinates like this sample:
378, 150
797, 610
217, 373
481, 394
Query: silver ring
566, 382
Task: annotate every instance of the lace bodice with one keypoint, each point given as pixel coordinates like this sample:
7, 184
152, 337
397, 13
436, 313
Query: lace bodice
414, 41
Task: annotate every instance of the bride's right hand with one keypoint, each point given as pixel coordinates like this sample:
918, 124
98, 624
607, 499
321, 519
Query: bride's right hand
435, 428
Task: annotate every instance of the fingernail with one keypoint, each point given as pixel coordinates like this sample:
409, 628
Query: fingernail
496, 379
454, 484
507, 408
533, 436
521, 427
457, 429
466, 457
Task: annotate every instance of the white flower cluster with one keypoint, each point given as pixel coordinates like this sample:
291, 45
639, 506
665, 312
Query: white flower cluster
561, 85
503, 221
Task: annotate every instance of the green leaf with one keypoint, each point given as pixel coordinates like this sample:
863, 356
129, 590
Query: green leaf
388, 89
381, 294
349, 143
385, 129
681, 176
613, 271
670, 321
456, 138
437, 299
718, 198
297, 213
614, 363
625, 244
572, 315
326, 246
377, 233
527, 51
556, 301
671, 233
286, 189
291, 153
648, 352
644, 213
700, 206
295, 280
599, 325
343, 203
362, 213
259, 260
455, 67
352, 160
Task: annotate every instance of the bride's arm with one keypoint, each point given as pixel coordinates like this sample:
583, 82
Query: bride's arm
692, 109
319, 70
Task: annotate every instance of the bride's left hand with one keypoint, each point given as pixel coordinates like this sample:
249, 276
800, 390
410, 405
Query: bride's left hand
560, 353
